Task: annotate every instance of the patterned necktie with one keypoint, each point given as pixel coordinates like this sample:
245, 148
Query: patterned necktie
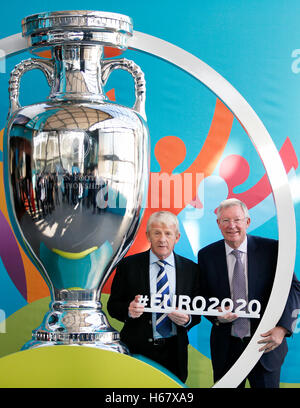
241, 324
163, 323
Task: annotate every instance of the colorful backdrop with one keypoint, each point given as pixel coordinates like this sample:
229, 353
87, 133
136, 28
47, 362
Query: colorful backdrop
253, 44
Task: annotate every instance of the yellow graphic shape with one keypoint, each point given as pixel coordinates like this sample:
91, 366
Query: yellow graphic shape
74, 255
80, 367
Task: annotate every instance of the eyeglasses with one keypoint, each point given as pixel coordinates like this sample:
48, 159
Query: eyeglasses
236, 221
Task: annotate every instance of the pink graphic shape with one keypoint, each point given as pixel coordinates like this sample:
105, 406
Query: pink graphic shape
235, 170
11, 257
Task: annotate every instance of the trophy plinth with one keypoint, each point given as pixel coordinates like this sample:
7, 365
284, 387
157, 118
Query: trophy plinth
76, 170
83, 324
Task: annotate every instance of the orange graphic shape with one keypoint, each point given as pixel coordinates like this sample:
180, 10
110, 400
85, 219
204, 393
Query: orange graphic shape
109, 52
111, 95
45, 54
36, 286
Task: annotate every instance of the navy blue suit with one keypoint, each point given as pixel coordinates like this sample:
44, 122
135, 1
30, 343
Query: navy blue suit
131, 279
214, 282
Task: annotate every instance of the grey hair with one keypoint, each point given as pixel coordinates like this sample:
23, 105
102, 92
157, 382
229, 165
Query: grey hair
164, 217
231, 202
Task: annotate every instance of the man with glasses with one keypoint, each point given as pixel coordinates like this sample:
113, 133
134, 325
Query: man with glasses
243, 267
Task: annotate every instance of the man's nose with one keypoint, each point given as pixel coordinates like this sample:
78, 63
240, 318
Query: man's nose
162, 238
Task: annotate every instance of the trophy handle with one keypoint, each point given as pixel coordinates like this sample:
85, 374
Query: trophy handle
139, 80
14, 82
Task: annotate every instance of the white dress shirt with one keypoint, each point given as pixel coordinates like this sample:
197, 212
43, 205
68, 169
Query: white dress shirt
231, 260
171, 274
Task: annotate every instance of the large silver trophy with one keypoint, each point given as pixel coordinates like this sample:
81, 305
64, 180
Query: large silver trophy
76, 170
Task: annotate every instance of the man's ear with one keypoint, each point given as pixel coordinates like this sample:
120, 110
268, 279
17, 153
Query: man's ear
248, 222
177, 238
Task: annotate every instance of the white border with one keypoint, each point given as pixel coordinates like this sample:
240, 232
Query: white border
271, 161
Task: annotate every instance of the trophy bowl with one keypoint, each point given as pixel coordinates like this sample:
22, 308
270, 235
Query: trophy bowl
76, 170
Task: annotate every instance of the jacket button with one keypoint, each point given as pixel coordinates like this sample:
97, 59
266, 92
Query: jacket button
150, 321
150, 340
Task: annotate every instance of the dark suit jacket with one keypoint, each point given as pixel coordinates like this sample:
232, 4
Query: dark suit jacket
131, 279
262, 260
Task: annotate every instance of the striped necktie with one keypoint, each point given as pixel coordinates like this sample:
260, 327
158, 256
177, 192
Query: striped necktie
241, 324
163, 323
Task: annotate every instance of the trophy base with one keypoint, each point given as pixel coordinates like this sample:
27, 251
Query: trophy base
46, 339
115, 346
76, 326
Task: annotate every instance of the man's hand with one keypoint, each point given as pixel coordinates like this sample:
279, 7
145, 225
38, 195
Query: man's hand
227, 317
135, 309
272, 338
179, 318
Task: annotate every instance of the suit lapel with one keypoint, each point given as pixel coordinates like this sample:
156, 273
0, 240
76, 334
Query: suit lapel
179, 275
253, 266
144, 267
220, 264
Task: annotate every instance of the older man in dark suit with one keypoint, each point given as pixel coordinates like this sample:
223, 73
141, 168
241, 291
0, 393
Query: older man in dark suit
243, 267
162, 338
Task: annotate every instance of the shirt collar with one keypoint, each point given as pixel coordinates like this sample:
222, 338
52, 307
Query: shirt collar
242, 247
170, 260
